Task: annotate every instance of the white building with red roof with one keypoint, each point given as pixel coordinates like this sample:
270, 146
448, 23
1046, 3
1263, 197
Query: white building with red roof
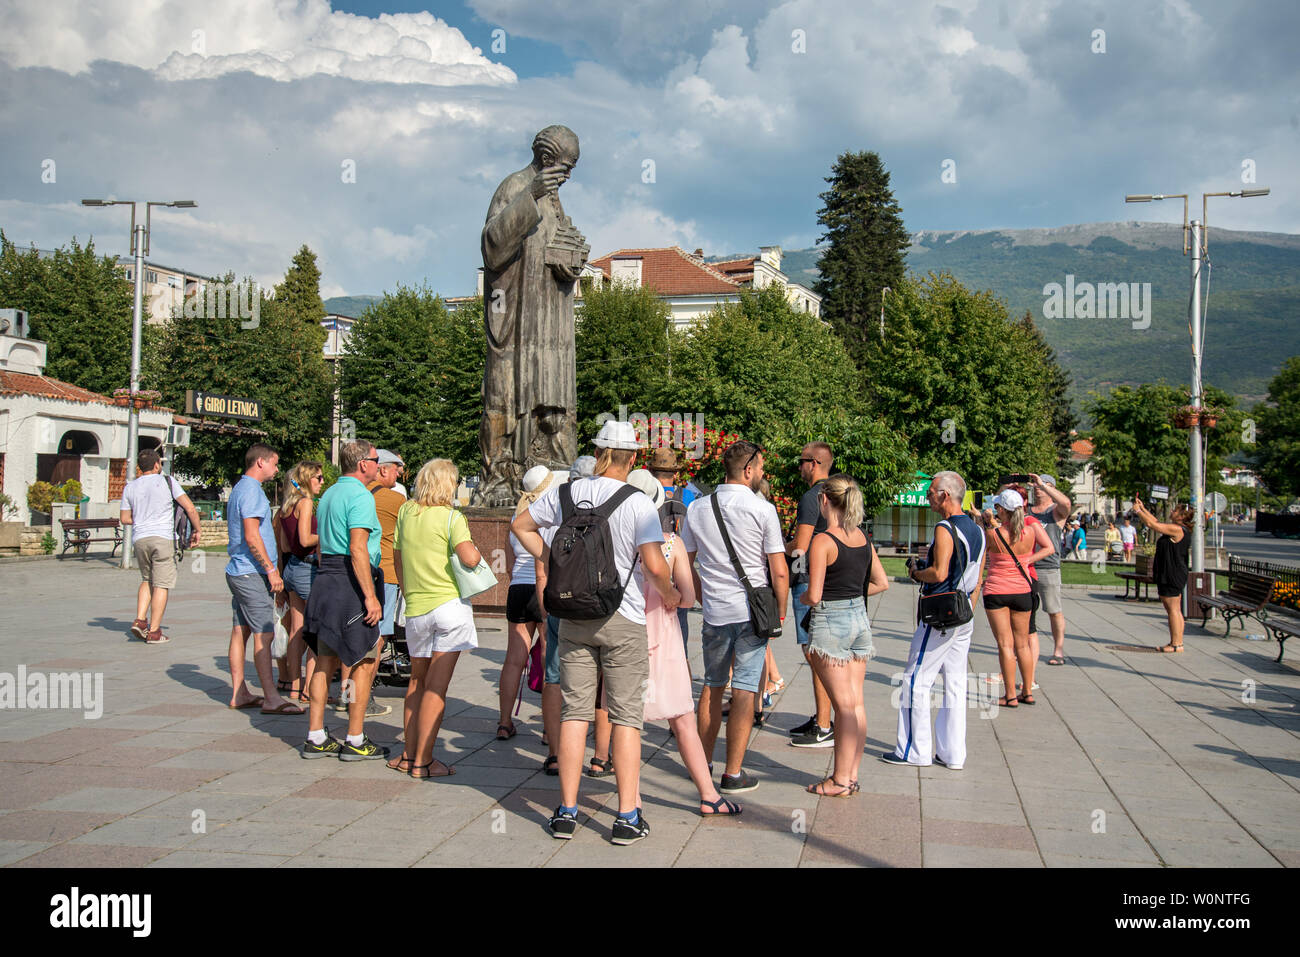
692, 286
53, 431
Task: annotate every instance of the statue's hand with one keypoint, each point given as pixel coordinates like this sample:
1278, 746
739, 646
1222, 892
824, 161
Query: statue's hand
565, 273
548, 180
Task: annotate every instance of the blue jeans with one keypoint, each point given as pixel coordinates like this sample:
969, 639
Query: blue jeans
798, 610
552, 676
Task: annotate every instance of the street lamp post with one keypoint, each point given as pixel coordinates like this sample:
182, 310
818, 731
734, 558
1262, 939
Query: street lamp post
139, 249
1195, 241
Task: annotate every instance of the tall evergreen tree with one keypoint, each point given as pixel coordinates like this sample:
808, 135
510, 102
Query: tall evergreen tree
1055, 385
298, 295
80, 305
864, 228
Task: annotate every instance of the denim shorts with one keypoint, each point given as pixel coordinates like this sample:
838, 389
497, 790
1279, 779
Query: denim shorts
733, 646
839, 630
390, 610
299, 576
552, 676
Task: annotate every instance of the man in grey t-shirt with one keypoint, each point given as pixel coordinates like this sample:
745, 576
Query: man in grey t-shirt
1051, 507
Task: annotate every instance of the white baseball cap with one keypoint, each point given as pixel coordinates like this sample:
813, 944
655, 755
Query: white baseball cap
1009, 499
617, 435
644, 480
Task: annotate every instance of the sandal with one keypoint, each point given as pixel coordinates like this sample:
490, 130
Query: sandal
551, 765
509, 729
428, 770
820, 788
720, 806
1025, 698
396, 764
1009, 701
604, 767
1171, 648
1056, 660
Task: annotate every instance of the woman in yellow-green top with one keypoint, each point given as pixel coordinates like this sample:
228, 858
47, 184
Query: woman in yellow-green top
439, 623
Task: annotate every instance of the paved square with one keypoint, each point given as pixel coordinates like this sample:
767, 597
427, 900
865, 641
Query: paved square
1129, 758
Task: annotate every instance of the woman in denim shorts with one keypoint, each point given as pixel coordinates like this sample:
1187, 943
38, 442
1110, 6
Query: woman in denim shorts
298, 543
842, 569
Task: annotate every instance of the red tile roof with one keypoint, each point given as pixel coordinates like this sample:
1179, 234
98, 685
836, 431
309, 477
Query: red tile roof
671, 271
740, 270
20, 383
1081, 448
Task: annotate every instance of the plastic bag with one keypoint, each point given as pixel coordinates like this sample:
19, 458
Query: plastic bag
280, 643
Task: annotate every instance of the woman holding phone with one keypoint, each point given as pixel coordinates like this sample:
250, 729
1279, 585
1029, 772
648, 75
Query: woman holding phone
1170, 569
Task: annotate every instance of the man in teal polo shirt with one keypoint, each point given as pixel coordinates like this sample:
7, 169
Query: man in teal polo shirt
343, 613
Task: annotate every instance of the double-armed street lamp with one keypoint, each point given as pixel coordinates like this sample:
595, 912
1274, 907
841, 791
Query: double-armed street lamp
1195, 241
139, 249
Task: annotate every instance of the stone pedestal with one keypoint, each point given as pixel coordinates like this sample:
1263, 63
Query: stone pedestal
490, 530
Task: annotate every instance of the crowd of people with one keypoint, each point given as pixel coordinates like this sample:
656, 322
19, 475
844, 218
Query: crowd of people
607, 558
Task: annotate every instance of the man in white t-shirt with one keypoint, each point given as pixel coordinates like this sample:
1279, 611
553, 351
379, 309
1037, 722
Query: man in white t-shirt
728, 639
147, 505
616, 646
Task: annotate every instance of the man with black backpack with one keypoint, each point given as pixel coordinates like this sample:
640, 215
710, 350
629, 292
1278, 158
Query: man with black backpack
606, 547
149, 504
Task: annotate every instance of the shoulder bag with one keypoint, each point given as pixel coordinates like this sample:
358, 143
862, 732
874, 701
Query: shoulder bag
469, 581
948, 609
764, 616
1023, 573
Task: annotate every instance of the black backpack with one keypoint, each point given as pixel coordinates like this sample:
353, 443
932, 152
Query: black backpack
672, 513
582, 582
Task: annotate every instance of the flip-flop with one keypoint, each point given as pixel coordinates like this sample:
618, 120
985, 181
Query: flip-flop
255, 703
1056, 661
1006, 700
286, 707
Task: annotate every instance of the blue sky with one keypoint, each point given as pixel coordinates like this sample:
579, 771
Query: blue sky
1046, 113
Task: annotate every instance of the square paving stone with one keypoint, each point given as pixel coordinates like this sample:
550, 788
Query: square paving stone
113, 801
950, 855
162, 832
261, 837
50, 827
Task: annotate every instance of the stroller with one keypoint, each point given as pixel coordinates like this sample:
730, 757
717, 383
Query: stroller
394, 666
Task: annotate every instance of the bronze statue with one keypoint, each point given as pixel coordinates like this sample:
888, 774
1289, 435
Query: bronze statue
532, 257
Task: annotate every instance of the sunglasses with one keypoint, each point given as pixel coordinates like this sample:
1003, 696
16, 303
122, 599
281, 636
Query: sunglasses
807, 461
373, 458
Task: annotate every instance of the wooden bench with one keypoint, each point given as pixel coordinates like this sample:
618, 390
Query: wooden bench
1245, 597
1282, 624
78, 533
1140, 578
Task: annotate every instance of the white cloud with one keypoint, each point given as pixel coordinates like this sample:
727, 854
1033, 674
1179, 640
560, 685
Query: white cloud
185, 40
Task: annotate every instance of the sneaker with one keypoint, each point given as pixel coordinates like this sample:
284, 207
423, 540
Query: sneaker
156, 637
816, 738
629, 832
889, 757
563, 824
329, 749
140, 628
367, 750
741, 783
805, 727
951, 767
377, 710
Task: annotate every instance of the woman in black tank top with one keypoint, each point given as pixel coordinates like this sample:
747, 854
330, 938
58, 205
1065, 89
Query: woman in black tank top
1170, 571
842, 569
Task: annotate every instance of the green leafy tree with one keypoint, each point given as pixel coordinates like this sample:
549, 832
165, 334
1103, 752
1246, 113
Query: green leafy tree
866, 241
411, 379
80, 305
621, 347
280, 362
961, 382
1277, 435
1135, 443
1055, 385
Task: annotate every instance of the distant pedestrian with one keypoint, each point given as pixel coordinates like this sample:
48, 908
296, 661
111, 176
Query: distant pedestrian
343, 612
956, 561
300, 561
1169, 570
439, 622
147, 506
253, 579
1128, 538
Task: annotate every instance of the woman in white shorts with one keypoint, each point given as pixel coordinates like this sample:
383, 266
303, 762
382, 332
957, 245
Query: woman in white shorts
439, 623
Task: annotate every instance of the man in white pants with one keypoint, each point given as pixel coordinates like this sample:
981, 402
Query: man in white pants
956, 561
